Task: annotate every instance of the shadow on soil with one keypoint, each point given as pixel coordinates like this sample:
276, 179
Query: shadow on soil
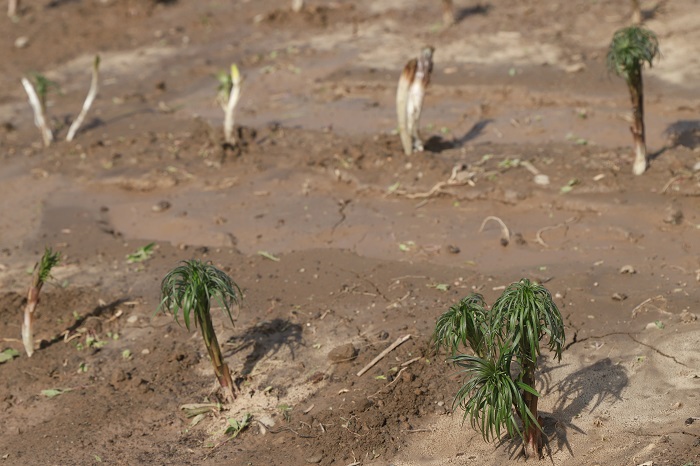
684, 133
594, 383
473, 133
83, 320
478, 9
439, 144
266, 338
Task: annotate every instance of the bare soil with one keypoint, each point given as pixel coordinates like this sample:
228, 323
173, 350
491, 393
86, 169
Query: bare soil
341, 243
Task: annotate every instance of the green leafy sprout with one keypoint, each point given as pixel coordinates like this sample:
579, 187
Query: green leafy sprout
189, 290
235, 426
43, 85
41, 273
629, 50
509, 333
142, 254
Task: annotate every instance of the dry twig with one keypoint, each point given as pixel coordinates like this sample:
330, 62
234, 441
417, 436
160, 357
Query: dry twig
374, 361
459, 177
505, 233
538, 235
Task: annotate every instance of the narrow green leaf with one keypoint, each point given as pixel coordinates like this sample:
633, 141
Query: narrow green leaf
8, 355
267, 255
53, 392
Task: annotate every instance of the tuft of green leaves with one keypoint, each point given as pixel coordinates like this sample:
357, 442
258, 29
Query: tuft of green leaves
465, 323
527, 313
490, 394
49, 260
142, 254
192, 286
43, 85
630, 48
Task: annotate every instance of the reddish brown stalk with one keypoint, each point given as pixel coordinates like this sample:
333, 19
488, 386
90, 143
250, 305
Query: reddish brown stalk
221, 369
636, 89
32, 302
532, 437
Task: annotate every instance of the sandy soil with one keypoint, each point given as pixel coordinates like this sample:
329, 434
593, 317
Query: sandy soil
367, 250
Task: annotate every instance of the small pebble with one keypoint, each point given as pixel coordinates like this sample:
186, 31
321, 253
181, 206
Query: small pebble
21, 42
542, 180
132, 319
313, 459
674, 216
161, 206
342, 353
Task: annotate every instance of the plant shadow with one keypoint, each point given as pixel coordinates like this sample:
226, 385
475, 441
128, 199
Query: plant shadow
653, 12
478, 9
96, 312
266, 338
684, 133
595, 384
438, 144
473, 133
592, 384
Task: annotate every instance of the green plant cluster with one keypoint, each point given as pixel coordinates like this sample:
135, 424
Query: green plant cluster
510, 332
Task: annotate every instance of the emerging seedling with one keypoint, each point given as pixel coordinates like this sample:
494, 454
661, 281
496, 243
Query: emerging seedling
12, 7
42, 272
37, 100
297, 5
636, 12
235, 426
409, 99
492, 395
630, 48
190, 288
92, 93
229, 93
448, 13
142, 254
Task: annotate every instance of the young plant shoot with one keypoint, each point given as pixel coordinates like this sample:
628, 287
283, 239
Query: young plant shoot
37, 100
42, 272
636, 12
448, 13
630, 48
92, 93
189, 289
229, 93
511, 332
297, 5
409, 99
12, 7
